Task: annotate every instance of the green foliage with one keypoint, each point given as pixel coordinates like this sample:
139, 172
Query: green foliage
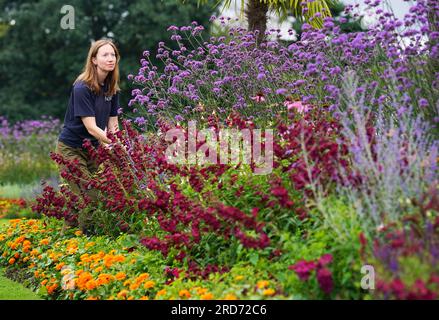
39, 60
337, 7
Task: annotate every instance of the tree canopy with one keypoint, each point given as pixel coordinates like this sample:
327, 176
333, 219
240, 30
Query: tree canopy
39, 60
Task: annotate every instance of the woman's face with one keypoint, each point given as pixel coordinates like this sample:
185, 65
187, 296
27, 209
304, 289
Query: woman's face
105, 58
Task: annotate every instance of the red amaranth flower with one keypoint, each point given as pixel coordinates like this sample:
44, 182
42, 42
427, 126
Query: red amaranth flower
303, 269
324, 277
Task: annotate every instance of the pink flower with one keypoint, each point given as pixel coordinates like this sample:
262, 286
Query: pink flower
298, 105
259, 97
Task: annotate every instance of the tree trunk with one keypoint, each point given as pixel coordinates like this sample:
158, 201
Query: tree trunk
256, 13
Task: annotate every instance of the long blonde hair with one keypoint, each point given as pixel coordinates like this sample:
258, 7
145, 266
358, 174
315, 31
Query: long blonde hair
89, 74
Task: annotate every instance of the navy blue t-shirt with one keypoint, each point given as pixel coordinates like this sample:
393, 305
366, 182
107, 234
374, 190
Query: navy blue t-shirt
84, 103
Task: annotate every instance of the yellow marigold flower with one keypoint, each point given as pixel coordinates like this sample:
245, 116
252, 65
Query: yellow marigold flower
144, 298
4, 254
92, 298
268, 292
161, 293
149, 284
262, 284
26, 259
90, 244
230, 296
34, 252
130, 298
66, 271
206, 296
78, 233
120, 276
98, 269
201, 291
122, 294
142, 277
127, 283
184, 294
238, 278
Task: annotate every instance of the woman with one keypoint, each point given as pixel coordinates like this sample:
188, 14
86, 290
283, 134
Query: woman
91, 112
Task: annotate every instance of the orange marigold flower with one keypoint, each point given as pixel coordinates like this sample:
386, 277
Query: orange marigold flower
16, 255
11, 261
184, 294
59, 266
120, 276
206, 296
52, 288
78, 233
144, 298
134, 286
44, 241
122, 294
160, 293
149, 284
91, 284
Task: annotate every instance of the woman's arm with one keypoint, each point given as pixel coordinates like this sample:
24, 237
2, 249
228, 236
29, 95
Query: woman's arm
94, 130
113, 124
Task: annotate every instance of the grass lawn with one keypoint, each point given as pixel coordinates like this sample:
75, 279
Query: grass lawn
10, 290
3, 221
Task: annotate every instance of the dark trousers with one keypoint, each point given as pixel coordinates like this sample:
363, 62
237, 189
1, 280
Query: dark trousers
88, 168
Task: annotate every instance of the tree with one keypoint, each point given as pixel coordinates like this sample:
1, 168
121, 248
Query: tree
39, 60
337, 7
256, 12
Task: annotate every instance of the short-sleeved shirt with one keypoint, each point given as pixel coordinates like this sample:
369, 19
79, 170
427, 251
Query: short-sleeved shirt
84, 103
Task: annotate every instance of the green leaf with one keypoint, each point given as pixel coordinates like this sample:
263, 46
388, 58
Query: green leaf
254, 258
